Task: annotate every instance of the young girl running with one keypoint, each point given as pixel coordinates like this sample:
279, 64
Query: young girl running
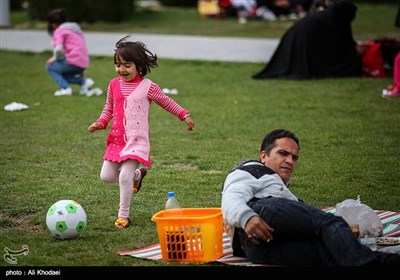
128, 102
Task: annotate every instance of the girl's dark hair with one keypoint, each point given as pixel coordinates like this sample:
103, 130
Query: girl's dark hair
268, 142
57, 16
137, 53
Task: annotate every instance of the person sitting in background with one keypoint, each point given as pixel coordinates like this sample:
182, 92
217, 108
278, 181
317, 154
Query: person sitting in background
268, 224
70, 55
293, 9
245, 9
320, 45
394, 91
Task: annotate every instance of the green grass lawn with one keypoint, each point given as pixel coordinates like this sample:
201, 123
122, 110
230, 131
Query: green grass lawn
349, 146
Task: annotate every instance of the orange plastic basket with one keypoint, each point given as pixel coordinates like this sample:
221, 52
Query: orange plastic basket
190, 234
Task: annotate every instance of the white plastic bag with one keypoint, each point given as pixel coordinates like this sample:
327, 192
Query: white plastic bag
15, 106
355, 212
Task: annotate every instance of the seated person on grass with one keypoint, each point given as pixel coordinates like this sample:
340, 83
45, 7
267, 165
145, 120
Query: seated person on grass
268, 224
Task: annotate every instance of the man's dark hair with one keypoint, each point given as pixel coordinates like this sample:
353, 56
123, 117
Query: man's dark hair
269, 140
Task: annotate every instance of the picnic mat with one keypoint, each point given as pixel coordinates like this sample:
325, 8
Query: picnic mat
391, 228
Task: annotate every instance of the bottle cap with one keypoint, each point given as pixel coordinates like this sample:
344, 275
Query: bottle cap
171, 194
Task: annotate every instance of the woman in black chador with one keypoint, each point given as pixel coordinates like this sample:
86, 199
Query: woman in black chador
321, 45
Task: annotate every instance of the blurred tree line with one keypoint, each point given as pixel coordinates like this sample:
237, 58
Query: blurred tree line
78, 10
106, 10
88, 10
179, 3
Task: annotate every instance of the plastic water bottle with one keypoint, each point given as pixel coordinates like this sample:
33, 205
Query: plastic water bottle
175, 239
172, 202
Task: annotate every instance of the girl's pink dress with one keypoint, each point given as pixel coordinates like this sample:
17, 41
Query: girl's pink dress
128, 105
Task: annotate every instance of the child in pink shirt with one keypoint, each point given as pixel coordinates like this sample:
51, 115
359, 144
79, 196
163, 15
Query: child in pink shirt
70, 55
129, 98
394, 91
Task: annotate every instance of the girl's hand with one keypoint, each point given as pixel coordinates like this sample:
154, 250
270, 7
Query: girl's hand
190, 123
95, 126
50, 60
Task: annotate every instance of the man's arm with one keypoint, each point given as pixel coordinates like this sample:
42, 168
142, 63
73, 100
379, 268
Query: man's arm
237, 192
251, 180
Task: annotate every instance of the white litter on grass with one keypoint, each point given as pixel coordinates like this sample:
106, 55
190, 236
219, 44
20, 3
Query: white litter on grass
172, 91
94, 92
14, 106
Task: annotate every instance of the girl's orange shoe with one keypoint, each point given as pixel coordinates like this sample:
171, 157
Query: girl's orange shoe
122, 223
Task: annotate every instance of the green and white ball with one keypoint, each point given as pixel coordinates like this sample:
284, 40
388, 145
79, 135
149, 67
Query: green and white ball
66, 219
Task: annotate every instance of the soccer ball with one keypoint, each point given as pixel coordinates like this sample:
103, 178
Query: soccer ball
66, 219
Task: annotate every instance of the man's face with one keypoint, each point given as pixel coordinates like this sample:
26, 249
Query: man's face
282, 158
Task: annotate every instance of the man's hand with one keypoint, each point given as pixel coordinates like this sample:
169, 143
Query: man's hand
257, 229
